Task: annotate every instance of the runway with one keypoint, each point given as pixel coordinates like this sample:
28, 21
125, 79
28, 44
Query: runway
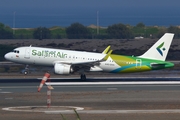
102, 99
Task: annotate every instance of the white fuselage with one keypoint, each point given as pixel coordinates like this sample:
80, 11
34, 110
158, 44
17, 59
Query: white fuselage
49, 57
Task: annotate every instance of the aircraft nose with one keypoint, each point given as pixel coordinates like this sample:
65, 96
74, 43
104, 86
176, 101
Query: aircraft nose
6, 56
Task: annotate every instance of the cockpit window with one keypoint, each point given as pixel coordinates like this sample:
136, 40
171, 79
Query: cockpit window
15, 51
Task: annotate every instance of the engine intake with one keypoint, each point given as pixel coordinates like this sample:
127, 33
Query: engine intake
62, 68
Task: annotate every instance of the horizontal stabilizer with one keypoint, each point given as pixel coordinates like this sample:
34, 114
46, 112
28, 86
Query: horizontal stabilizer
158, 65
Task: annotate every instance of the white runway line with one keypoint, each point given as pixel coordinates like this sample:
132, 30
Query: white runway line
5, 92
62, 109
136, 77
117, 83
42, 108
8, 98
16, 87
129, 111
115, 111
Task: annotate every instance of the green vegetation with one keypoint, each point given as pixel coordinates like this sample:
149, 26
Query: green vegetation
119, 31
77, 116
58, 32
23, 33
146, 32
79, 31
42, 33
5, 32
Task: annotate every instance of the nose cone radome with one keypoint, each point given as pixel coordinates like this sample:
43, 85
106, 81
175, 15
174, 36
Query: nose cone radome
6, 56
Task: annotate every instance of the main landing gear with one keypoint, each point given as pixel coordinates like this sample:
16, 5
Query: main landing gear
83, 77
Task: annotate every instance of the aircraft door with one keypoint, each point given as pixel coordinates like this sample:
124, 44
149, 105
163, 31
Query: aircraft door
138, 63
27, 53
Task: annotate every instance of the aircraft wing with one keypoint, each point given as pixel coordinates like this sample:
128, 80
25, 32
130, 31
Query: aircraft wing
85, 64
79, 65
106, 56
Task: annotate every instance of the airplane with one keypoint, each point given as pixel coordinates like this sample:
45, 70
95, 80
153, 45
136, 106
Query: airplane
70, 61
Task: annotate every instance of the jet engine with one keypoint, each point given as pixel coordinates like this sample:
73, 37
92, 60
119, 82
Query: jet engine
62, 68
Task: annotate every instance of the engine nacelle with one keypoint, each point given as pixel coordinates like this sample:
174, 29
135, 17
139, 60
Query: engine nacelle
62, 68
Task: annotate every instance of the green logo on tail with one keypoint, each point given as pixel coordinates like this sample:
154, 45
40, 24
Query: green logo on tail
160, 50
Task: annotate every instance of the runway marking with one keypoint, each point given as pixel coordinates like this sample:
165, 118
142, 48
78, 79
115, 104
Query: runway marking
112, 89
117, 83
129, 111
8, 98
136, 77
43, 109
69, 110
5, 92
105, 86
19, 87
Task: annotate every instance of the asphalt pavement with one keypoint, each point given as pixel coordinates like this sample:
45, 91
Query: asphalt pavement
101, 100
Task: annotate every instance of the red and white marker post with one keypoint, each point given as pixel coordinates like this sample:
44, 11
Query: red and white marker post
48, 95
49, 88
46, 76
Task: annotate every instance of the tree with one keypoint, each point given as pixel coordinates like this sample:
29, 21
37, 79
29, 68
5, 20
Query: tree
119, 31
175, 30
140, 25
5, 32
77, 31
42, 33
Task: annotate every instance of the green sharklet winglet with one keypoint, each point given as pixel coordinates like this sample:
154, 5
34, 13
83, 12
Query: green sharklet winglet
106, 50
107, 56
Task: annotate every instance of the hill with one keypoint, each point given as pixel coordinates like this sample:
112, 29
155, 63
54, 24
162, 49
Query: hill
119, 46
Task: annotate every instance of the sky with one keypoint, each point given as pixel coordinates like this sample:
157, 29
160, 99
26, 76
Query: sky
47, 6
88, 7
51, 4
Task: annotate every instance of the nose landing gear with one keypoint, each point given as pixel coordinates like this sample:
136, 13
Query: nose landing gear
83, 77
26, 70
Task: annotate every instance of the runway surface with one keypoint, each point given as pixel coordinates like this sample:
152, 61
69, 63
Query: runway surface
102, 98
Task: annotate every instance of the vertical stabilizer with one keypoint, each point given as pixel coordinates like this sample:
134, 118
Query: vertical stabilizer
160, 49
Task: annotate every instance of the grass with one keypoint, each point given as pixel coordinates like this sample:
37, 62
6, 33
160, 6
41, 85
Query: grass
58, 32
77, 116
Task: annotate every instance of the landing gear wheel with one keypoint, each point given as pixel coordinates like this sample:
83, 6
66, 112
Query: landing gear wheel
25, 72
83, 77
